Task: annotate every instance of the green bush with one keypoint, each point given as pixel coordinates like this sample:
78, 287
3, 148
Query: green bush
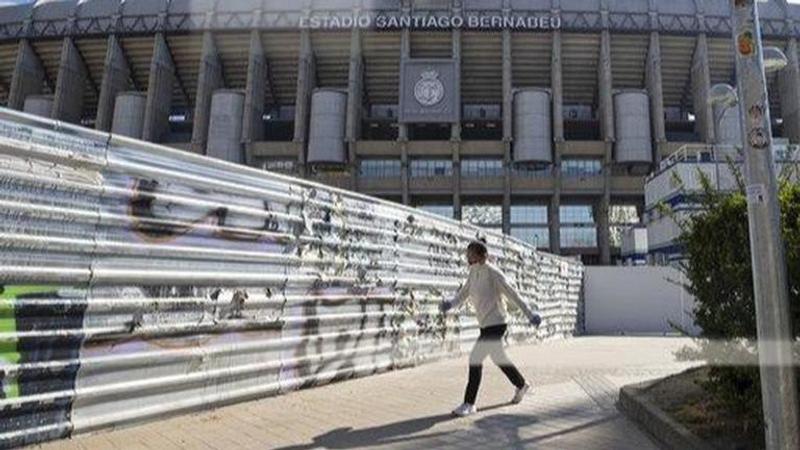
719, 273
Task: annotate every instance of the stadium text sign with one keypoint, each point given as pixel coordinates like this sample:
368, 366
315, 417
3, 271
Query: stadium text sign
431, 21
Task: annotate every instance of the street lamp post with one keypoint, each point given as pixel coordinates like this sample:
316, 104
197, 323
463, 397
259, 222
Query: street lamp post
778, 388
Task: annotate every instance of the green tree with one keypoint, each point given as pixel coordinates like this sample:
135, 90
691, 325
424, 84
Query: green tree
718, 270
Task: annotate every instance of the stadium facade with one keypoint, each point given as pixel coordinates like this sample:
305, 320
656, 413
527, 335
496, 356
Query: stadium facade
538, 117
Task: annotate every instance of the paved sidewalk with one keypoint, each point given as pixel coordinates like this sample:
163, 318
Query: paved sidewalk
576, 384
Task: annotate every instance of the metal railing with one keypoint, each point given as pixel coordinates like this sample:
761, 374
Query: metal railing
696, 153
721, 154
139, 280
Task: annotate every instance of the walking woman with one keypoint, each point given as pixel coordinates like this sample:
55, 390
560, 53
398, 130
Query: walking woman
485, 287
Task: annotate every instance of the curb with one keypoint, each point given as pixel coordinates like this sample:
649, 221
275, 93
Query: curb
669, 434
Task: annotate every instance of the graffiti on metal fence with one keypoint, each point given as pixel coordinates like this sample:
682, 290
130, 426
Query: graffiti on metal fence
198, 284
161, 219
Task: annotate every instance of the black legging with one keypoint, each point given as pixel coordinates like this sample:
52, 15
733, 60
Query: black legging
490, 342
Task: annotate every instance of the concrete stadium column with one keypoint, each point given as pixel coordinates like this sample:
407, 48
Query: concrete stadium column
457, 200
402, 131
605, 86
159, 91
508, 128
652, 11
28, 77
209, 79
116, 76
554, 222
225, 126
306, 81
255, 92
404, 174
129, 109
355, 97
455, 127
601, 212
606, 103
557, 87
789, 88
70, 84
655, 90
508, 87
405, 53
701, 85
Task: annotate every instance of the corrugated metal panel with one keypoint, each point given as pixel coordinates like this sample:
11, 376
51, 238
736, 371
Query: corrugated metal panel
140, 280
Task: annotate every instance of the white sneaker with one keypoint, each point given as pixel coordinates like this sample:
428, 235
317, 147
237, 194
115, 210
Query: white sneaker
464, 410
521, 393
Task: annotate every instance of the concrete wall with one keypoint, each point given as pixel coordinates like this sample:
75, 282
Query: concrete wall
636, 300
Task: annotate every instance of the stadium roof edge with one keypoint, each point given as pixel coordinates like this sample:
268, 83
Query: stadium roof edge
54, 18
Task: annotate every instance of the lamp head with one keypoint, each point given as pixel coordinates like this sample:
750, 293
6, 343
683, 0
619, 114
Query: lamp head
774, 59
723, 95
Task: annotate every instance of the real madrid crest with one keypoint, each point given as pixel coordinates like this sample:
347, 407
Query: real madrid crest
428, 90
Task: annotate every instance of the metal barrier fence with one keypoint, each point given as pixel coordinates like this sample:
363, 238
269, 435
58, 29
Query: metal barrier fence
137, 280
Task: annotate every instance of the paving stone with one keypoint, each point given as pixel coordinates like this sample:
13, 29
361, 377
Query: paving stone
576, 384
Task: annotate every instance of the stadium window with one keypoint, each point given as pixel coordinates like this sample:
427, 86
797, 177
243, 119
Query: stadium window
482, 168
532, 171
578, 237
422, 168
581, 167
577, 226
576, 214
529, 224
536, 236
528, 215
279, 165
379, 168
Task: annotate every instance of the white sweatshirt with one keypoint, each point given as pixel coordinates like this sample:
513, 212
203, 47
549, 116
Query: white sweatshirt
484, 287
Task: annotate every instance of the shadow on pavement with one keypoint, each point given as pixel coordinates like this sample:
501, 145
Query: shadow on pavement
392, 433
500, 431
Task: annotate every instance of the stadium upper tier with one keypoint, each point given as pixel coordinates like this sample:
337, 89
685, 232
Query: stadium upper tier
53, 18
135, 22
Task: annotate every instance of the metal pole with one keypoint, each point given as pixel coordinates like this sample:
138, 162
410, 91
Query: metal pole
778, 389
